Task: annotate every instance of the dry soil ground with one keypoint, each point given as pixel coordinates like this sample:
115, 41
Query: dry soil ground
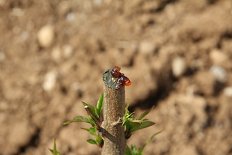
177, 53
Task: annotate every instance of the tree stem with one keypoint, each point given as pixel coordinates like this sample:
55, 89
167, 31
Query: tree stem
113, 111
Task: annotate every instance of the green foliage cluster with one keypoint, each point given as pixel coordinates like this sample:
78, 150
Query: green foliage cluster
95, 119
54, 150
132, 124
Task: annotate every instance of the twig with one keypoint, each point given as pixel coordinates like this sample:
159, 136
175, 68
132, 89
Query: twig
113, 111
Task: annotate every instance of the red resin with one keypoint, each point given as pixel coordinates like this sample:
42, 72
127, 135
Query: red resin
116, 72
122, 79
126, 81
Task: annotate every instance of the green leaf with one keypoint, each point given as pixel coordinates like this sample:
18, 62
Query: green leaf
127, 116
99, 140
131, 124
92, 130
54, 151
134, 125
91, 110
91, 141
140, 125
136, 151
133, 150
127, 151
99, 105
80, 119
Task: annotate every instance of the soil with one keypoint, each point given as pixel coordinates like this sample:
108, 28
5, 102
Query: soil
177, 53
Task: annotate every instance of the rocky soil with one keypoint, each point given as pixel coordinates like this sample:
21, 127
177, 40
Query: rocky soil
177, 53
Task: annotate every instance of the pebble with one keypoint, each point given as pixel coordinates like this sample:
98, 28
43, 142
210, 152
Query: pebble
71, 17
59, 53
2, 56
217, 57
228, 91
18, 12
178, 66
147, 47
98, 2
50, 81
219, 73
67, 51
46, 36
56, 54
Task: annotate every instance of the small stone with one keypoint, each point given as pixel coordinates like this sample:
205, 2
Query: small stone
71, 17
49, 81
98, 2
178, 66
219, 73
67, 51
147, 47
56, 54
46, 36
2, 56
217, 57
228, 91
18, 12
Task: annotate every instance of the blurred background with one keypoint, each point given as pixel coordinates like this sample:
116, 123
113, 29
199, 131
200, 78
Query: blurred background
177, 53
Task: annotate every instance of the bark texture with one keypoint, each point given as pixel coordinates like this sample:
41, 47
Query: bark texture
113, 111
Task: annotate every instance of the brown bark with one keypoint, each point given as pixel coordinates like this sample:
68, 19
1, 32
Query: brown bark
113, 111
